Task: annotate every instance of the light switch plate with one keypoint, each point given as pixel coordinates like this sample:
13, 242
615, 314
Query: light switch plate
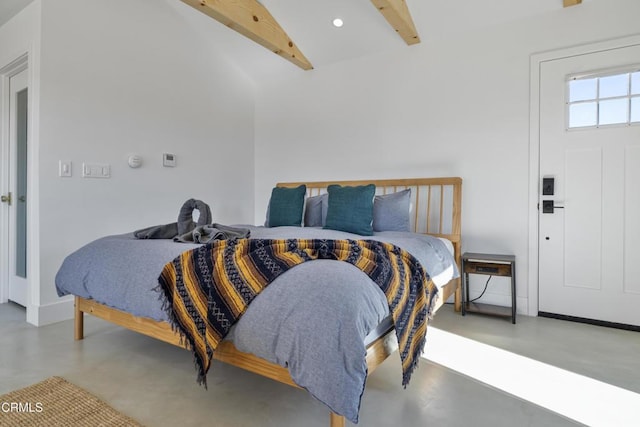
64, 168
96, 170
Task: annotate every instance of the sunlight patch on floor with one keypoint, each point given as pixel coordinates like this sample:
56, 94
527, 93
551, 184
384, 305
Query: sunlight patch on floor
574, 396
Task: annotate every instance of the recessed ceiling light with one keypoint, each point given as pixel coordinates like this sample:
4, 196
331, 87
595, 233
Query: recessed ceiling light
338, 23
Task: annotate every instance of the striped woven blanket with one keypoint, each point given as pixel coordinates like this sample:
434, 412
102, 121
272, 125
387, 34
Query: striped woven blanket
207, 289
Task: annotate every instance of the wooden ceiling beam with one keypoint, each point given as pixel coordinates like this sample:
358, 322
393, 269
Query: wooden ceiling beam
568, 3
398, 16
253, 20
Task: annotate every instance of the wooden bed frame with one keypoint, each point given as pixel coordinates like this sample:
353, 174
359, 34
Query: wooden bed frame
436, 210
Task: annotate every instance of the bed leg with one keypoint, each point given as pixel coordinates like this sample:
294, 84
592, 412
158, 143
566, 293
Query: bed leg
337, 420
78, 321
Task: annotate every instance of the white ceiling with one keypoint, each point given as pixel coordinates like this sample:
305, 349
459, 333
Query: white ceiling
365, 31
309, 24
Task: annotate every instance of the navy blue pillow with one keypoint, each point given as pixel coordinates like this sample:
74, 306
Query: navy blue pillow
286, 206
351, 209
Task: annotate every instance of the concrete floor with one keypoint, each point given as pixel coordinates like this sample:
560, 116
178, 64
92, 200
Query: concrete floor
155, 382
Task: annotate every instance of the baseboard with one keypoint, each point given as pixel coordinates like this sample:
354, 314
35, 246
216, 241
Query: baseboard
51, 313
590, 321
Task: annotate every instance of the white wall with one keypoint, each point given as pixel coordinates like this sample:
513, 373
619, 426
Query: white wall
454, 106
121, 77
20, 34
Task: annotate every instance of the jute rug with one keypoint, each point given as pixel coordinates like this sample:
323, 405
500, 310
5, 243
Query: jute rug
56, 402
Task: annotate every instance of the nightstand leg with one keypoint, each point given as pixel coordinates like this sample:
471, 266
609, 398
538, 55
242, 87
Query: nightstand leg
465, 293
513, 293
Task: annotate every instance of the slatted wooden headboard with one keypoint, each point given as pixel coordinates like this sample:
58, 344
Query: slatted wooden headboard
436, 203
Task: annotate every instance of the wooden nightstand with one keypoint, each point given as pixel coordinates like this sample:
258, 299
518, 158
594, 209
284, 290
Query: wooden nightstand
493, 265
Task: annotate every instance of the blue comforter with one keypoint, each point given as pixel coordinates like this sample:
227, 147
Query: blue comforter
323, 304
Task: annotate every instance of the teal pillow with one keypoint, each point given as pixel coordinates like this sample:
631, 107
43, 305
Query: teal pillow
351, 209
286, 206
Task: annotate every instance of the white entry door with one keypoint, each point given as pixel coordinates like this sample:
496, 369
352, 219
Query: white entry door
15, 199
589, 247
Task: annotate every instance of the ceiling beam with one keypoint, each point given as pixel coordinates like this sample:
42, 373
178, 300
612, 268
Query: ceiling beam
568, 3
253, 20
398, 16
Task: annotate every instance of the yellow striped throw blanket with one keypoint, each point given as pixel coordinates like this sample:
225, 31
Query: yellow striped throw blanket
207, 289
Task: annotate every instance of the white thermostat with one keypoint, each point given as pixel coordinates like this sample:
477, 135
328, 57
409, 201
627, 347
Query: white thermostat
135, 161
168, 160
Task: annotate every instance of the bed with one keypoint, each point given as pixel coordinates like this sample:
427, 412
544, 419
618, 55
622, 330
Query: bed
435, 211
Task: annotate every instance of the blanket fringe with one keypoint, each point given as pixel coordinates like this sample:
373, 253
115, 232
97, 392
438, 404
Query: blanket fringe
185, 340
406, 376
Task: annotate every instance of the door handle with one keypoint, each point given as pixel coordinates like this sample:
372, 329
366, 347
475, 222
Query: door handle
6, 199
548, 206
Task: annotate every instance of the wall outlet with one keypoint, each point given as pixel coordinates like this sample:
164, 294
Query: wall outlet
96, 170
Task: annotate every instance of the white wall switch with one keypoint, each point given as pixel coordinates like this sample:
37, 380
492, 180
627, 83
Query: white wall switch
64, 168
96, 170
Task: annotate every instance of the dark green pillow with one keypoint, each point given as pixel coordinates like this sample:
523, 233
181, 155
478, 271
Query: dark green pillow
286, 206
351, 209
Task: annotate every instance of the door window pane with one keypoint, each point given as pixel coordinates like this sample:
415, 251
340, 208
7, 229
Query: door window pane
635, 109
614, 111
635, 83
605, 99
617, 85
582, 90
583, 114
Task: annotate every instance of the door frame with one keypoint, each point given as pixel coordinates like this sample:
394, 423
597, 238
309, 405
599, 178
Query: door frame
535, 180
8, 68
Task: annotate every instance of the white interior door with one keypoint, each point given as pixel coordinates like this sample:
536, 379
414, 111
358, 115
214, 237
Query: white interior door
589, 250
15, 200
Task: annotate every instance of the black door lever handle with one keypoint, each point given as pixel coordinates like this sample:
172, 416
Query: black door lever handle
548, 207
